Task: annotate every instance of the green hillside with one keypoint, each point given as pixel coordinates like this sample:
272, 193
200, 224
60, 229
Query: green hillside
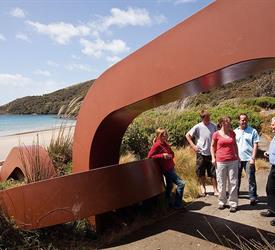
48, 103
236, 92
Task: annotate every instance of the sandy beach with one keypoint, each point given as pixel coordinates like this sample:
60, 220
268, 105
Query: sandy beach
28, 138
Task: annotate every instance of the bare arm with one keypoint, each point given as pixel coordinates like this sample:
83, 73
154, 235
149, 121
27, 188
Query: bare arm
213, 151
254, 152
189, 139
236, 149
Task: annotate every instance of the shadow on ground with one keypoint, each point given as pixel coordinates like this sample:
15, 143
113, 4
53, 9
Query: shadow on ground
207, 227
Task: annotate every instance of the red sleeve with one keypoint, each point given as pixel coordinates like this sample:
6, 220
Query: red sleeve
215, 136
154, 152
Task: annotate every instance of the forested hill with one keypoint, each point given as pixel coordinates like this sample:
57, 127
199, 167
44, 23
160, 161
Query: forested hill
48, 103
254, 86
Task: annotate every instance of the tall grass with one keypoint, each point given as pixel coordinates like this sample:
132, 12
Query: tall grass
36, 165
127, 157
72, 109
185, 161
60, 149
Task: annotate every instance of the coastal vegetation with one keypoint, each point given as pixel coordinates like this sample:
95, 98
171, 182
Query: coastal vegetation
254, 96
242, 91
139, 135
48, 103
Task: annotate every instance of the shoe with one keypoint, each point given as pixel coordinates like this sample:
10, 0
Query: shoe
253, 202
233, 210
272, 223
267, 213
202, 195
221, 207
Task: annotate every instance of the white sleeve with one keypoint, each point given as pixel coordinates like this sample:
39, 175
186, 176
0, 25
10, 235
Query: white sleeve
193, 131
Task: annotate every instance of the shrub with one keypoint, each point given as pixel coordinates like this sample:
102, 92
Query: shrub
263, 102
10, 183
60, 149
139, 136
36, 167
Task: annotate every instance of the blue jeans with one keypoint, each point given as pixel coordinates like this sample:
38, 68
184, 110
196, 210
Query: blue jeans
250, 172
170, 178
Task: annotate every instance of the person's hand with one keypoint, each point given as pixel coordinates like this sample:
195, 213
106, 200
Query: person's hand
214, 163
167, 156
195, 148
266, 154
252, 162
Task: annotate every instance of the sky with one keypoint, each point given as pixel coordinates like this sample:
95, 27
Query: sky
46, 45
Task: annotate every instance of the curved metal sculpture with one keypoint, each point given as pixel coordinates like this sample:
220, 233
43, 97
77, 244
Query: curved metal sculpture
213, 47
19, 160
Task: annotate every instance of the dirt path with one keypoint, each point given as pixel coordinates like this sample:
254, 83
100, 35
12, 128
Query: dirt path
203, 226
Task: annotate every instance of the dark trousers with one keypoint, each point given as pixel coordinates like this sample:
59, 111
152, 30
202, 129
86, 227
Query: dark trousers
250, 173
270, 189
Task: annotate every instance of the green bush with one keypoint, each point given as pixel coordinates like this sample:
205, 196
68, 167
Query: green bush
263, 102
139, 135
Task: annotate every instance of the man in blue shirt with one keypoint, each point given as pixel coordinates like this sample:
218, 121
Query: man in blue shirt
270, 186
247, 139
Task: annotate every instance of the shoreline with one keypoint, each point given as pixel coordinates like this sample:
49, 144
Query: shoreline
36, 131
7, 142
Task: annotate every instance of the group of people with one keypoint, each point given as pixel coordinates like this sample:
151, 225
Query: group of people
223, 153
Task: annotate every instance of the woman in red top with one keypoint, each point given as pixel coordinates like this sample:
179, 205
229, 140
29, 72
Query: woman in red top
161, 150
225, 157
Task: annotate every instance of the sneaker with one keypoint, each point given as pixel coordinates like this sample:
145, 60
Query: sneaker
267, 213
272, 223
233, 210
202, 194
253, 202
221, 207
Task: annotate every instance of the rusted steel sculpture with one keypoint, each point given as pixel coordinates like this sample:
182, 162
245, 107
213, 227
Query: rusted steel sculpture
18, 163
227, 40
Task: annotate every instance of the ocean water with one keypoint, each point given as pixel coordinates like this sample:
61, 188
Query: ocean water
14, 124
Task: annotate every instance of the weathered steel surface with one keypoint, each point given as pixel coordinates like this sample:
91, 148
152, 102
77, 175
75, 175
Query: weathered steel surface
80, 195
226, 41
194, 56
19, 159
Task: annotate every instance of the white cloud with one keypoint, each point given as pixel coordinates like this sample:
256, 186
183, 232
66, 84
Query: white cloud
99, 46
17, 85
2, 38
131, 16
42, 72
79, 67
184, 1
113, 59
160, 19
52, 64
23, 37
16, 80
76, 57
60, 32
17, 12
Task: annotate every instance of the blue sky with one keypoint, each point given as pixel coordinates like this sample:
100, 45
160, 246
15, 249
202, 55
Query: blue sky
48, 45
